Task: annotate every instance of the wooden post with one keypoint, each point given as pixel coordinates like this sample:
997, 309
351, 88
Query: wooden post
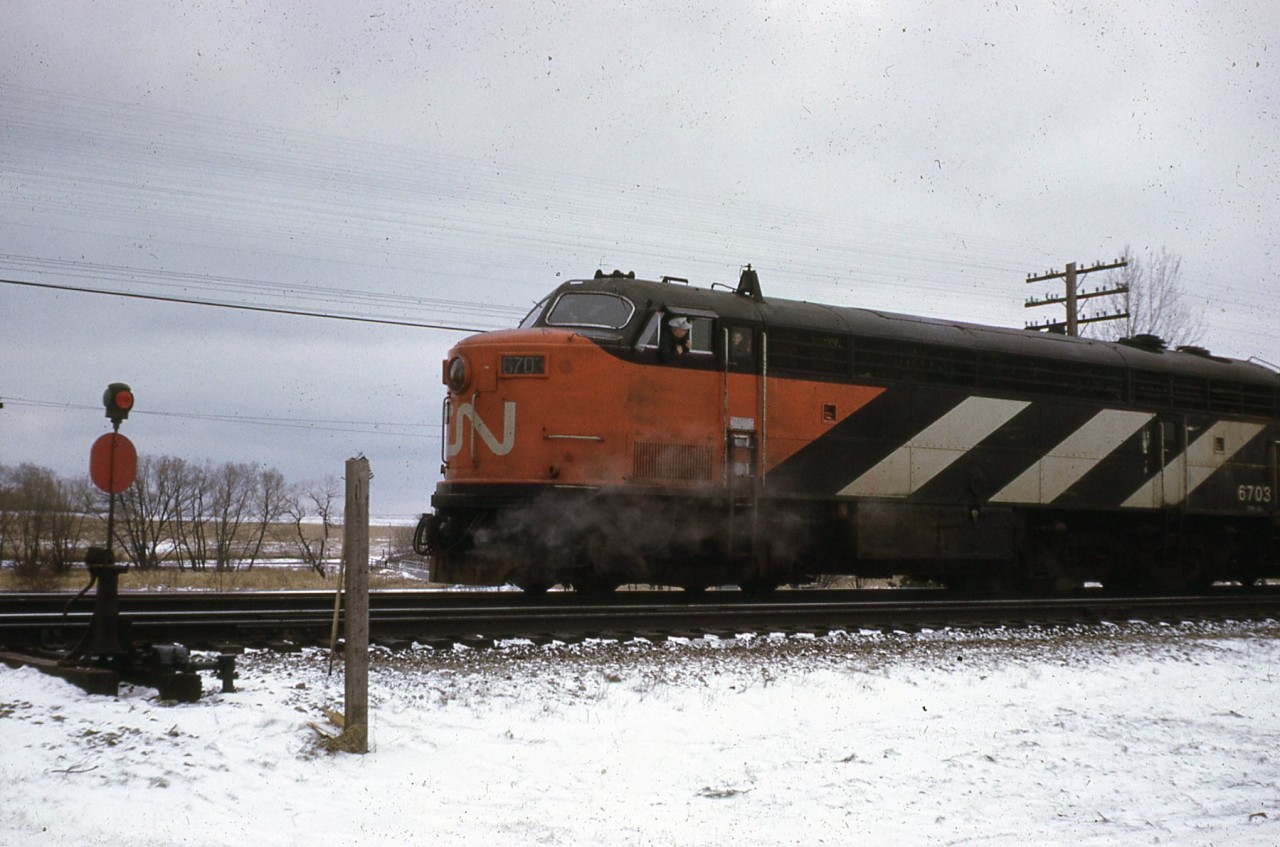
355, 556
1073, 307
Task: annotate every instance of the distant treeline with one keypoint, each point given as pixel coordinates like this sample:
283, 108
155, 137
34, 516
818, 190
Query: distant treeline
189, 515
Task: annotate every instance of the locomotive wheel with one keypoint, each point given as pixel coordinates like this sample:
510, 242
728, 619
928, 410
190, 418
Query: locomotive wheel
1159, 565
1182, 568
981, 584
533, 587
592, 586
1195, 568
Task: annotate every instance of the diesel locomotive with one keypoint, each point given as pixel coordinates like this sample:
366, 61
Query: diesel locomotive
652, 431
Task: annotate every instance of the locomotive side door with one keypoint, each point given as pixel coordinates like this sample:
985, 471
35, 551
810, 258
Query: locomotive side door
743, 408
745, 434
1273, 495
1173, 478
1165, 458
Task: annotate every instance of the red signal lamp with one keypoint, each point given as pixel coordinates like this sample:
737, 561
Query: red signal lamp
119, 400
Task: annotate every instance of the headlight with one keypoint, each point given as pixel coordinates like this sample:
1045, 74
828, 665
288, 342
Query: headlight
458, 374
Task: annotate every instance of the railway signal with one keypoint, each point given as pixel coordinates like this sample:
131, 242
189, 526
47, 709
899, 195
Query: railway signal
113, 463
118, 398
102, 658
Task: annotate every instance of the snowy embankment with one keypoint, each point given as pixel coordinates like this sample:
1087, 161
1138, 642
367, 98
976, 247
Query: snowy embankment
1106, 735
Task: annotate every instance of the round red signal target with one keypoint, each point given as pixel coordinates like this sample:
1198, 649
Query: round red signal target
124, 399
113, 463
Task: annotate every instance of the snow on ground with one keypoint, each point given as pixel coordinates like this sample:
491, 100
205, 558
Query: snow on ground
1127, 735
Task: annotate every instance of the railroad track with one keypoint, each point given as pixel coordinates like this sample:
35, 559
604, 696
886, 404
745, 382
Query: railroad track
283, 619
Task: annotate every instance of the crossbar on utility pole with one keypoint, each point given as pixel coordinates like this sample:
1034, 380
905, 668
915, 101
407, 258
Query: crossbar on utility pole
1072, 299
355, 556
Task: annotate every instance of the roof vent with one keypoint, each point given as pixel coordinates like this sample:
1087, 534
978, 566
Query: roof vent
615, 274
1197, 350
1145, 341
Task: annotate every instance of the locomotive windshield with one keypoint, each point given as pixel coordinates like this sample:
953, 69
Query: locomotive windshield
598, 310
531, 319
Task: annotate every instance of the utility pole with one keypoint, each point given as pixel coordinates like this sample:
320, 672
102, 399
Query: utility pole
1072, 298
355, 553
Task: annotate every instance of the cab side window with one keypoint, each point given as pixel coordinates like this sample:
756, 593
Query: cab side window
675, 335
742, 347
703, 332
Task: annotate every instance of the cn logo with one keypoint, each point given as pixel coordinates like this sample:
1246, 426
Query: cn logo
466, 416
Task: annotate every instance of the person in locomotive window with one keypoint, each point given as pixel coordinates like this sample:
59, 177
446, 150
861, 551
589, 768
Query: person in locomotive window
740, 346
678, 337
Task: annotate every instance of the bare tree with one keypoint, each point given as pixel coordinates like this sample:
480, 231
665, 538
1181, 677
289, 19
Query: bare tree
67, 536
33, 493
243, 504
313, 499
191, 518
1156, 302
147, 510
198, 514
232, 494
45, 519
8, 513
269, 497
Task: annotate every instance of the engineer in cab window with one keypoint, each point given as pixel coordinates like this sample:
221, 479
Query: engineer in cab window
678, 339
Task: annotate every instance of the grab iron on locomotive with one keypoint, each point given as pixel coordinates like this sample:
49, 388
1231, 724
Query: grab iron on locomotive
634, 431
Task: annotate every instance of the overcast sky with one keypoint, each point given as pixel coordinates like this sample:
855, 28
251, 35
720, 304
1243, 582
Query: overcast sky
448, 163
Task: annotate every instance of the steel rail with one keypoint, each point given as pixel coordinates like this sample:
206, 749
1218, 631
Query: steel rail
274, 618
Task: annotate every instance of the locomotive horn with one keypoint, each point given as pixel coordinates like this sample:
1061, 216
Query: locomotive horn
749, 285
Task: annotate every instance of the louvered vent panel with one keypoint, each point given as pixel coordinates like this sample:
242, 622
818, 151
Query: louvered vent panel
655, 460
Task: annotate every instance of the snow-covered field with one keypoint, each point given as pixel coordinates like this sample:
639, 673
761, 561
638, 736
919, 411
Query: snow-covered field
1105, 735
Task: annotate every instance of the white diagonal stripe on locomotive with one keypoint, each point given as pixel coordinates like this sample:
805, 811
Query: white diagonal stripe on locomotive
1109, 481
860, 441
1005, 454
1191, 468
1067, 462
931, 450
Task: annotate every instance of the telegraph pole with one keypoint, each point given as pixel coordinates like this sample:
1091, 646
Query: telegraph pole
1072, 298
355, 554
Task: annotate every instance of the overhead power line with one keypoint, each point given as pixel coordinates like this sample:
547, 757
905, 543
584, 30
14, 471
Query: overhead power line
306, 196
191, 301
368, 427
